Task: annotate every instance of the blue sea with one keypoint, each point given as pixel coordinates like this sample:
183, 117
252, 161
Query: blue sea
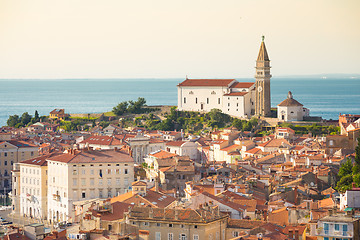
324, 97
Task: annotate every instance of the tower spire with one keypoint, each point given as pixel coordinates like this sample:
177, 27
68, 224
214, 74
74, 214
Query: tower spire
262, 76
263, 55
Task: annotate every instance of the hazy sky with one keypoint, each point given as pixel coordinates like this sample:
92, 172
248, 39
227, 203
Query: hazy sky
169, 38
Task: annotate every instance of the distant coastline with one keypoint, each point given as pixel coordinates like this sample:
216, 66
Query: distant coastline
324, 97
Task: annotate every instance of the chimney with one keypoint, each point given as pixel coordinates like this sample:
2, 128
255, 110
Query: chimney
156, 185
330, 212
176, 214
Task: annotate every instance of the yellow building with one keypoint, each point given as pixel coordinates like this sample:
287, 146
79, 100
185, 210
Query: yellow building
13, 151
207, 222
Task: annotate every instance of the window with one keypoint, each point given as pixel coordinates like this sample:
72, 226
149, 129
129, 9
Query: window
195, 100
83, 195
109, 181
182, 225
109, 227
100, 181
92, 171
158, 224
74, 172
146, 223
109, 193
337, 227
195, 237
218, 100
74, 182
125, 171
182, 236
118, 181
83, 182
5, 163
100, 193
235, 234
228, 104
117, 171
158, 235
92, 181
83, 171
170, 225
170, 236
109, 171
184, 99
207, 100
5, 154
195, 226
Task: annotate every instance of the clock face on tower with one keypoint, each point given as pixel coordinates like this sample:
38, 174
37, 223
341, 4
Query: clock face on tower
259, 88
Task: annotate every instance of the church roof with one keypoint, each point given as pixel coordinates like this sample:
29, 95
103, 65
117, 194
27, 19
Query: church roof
242, 84
206, 82
236, 94
263, 55
290, 102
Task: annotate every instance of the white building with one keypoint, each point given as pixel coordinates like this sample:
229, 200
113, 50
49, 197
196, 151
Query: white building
228, 95
183, 148
350, 199
338, 226
81, 175
237, 99
291, 110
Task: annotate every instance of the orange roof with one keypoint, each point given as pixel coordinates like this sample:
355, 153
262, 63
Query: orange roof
242, 84
162, 154
236, 94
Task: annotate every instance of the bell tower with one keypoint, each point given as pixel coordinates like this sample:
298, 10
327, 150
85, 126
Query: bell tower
262, 83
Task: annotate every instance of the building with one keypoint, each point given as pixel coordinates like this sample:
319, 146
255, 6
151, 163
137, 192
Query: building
350, 199
81, 175
11, 152
239, 99
30, 188
58, 114
338, 226
206, 222
291, 110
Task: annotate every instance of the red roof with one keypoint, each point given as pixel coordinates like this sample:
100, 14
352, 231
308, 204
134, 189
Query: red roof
236, 94
206, 82
242, 84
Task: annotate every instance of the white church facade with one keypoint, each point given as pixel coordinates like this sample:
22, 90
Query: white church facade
238, 99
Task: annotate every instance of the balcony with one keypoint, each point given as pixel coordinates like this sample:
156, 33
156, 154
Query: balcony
333, 233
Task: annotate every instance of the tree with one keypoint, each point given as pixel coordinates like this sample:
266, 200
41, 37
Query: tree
25, 118
13, 120
120, 109
345, 169
36, 117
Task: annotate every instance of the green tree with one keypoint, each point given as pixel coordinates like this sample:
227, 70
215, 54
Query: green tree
345, 169
25, 118
120, 109
345, 183
36, 116
13, 120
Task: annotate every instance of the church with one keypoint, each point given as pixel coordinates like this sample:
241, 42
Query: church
238, 99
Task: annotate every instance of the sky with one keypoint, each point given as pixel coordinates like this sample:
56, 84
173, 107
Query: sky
173, 39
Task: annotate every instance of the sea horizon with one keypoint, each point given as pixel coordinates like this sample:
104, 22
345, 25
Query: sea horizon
338, 95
